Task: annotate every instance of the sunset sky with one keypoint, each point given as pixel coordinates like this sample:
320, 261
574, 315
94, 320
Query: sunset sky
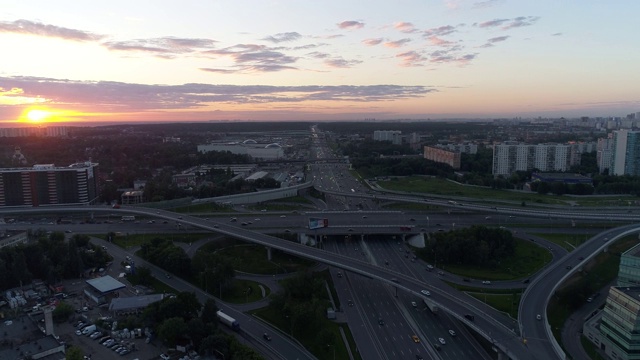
156, 60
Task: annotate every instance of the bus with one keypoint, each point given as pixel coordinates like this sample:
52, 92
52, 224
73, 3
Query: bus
128, 218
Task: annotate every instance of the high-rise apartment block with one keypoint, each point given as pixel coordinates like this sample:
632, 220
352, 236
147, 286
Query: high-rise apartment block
43, 185
395, 136
605, 152
625, 159
444, 156
511, 157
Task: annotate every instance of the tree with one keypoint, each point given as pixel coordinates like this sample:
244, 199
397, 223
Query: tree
73, 353
62, 312
172, 329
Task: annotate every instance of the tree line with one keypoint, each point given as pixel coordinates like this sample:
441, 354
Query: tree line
477, 245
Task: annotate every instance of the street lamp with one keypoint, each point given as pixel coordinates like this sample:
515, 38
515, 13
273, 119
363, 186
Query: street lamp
334, 350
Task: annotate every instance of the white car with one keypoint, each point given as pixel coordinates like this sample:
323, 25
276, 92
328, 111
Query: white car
164, 357
414, 304
487, 282
538, 317
452, 333
425, 292
442, 341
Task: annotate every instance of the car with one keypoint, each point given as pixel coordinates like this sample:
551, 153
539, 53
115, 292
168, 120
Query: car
350, 302
441, 273
287, 230
216, 226
436, 346
380, 322
590, 299
425, 292
452, 333
364, 216
466, 279
339, 274
68, 231
469, 317
606, 239
412, 219
414, 304
568, 267
164, 357
350, 229
486, 282
418, 357
511, 216
442, 341
429, 267
167, 275
581, 258
395, 280
487, 217
266, 336
538, 317
526, 281
415, 338
283, 216
386, 262
78, 332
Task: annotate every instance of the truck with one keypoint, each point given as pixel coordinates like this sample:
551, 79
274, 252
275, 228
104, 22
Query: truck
88, 330
128, 218
431, 305
228, 320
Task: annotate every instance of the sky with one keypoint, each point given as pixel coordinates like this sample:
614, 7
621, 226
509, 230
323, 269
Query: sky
283, 60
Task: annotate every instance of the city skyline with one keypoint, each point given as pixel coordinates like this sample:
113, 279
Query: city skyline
300, 60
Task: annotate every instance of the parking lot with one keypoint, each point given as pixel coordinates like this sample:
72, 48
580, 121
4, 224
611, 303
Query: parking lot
91, 347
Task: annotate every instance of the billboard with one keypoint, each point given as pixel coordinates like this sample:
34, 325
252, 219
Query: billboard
316, 223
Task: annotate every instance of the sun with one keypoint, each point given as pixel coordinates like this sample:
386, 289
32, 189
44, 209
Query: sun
36, 115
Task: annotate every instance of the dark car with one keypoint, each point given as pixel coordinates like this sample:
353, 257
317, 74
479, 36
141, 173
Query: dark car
266, 337
470, 317
380, 322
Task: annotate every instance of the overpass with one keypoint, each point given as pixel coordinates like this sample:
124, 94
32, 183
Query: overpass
489, 323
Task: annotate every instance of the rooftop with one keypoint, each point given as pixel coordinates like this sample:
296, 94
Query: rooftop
105, 284
134, 302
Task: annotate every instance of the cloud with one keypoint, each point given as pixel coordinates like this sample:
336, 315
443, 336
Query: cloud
397, 43
372, 42
445, 58
411, 59
485, 4
405, 27
252, 58
521, 21
282, 37
319, 55
492, 23
351, 25
440, 31
27, 27
341, 63
167, 47
494, 40
436, 41
104, 95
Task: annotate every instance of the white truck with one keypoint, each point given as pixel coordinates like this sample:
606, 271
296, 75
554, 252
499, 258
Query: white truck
228, 320
88, 330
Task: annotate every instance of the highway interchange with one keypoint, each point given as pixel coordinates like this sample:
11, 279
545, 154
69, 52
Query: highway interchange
352, 209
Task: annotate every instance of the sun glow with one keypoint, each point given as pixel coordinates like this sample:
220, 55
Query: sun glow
37, 116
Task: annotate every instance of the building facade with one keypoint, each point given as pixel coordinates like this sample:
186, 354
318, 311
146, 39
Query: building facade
451, 158
625, 159
620, 323
510, 157
605, 153
395, 136
43, 185
629, 270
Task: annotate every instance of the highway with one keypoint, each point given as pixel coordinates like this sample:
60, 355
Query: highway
488, 322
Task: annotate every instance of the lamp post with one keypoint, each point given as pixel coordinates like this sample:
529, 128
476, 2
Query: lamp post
334, 350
